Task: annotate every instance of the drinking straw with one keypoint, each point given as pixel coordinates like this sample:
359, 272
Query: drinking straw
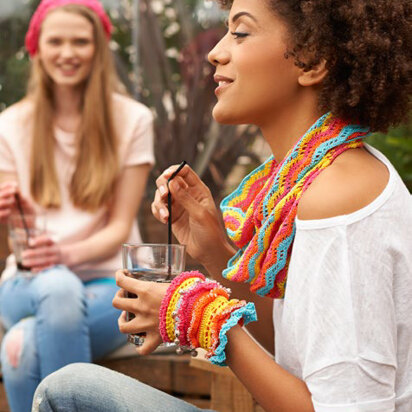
21, 212
169, 223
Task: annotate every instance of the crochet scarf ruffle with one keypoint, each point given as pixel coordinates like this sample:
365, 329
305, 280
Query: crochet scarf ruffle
260, 214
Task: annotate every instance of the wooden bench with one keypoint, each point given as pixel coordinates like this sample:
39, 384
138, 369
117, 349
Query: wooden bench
226, 391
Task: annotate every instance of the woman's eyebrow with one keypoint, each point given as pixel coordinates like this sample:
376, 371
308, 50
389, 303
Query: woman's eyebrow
237, 16
243, 13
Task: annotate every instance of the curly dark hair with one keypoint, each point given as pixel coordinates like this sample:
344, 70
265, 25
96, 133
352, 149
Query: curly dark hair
367, 48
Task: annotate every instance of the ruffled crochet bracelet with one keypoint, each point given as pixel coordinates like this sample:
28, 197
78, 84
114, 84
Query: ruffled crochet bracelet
197, 313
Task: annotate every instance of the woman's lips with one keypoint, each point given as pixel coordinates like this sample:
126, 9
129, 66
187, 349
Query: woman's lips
68, 70
223, 83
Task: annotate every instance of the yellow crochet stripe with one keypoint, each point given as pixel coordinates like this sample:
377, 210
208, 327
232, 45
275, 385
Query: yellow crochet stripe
243, 195
222, 303
207, 313
170, 323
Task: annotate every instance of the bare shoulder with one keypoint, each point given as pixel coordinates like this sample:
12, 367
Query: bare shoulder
351, 182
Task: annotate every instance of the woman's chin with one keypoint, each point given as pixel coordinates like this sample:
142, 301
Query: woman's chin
224, 116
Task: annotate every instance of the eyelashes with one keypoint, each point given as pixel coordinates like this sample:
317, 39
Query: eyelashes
239, 35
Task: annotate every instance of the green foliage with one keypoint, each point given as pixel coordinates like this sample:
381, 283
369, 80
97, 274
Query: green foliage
14, 61
396, 145
16, 74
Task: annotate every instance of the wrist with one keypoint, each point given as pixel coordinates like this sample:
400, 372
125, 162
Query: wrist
66, 255
218, 263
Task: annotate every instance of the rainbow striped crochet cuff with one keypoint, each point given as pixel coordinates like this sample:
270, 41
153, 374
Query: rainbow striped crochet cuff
248, 314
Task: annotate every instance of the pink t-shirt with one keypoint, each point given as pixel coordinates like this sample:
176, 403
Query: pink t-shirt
134, 127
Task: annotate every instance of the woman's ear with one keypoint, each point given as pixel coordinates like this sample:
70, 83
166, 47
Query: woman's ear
315, 75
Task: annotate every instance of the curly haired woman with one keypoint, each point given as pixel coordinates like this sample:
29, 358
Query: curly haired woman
319, 238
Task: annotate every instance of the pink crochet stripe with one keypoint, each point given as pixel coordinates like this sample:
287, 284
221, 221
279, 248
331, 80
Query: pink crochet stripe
176, 282
186, 307
32, 35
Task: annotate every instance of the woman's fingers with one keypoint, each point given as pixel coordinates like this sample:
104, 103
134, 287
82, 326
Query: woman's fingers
151, 342
187, 174
135, 326
42, 253
124, 303
161, 181
6, 201
8, 192
41, 241
41, 259
184, 198
159, 208
8, 188
145, 308
128, 283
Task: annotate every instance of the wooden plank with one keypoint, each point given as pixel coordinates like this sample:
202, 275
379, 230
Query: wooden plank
190, 381
156, 373
221, 394
242, 400
3, 400
170, 373
205, 365
199, 402
227, 392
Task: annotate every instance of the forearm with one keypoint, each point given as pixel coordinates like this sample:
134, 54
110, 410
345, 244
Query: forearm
101, 245
273, 387
262, 330
105, 243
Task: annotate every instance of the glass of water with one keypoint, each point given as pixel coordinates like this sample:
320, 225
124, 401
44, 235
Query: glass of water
151, 263
22, 228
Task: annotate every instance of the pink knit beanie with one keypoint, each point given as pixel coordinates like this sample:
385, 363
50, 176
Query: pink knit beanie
32, 35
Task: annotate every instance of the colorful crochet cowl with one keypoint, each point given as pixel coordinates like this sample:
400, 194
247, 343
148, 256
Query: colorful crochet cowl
260, 214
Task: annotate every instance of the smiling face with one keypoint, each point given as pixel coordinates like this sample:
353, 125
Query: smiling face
67, 48
256, 81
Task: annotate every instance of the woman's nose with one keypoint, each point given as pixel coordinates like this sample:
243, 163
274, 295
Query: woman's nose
219, 54
66, 50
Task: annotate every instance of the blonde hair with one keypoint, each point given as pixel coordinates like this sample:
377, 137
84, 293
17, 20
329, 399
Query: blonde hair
96, 144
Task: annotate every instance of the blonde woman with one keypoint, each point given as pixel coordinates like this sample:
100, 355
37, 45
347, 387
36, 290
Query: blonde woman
79, 151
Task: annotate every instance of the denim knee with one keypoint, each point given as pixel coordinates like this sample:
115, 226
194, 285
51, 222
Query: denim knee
18, 352
60, 295
57, 392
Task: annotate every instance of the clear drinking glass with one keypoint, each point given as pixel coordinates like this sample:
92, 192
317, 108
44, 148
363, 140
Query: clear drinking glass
152, 263
23, 227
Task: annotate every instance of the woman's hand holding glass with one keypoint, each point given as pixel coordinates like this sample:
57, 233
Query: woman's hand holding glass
196, 220
8, 192
145, 309
43, 253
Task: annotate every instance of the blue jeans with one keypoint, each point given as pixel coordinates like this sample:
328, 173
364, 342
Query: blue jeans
91, 388
53, 319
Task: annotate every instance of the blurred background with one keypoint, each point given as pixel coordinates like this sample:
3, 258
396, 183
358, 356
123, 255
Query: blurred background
160, 49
